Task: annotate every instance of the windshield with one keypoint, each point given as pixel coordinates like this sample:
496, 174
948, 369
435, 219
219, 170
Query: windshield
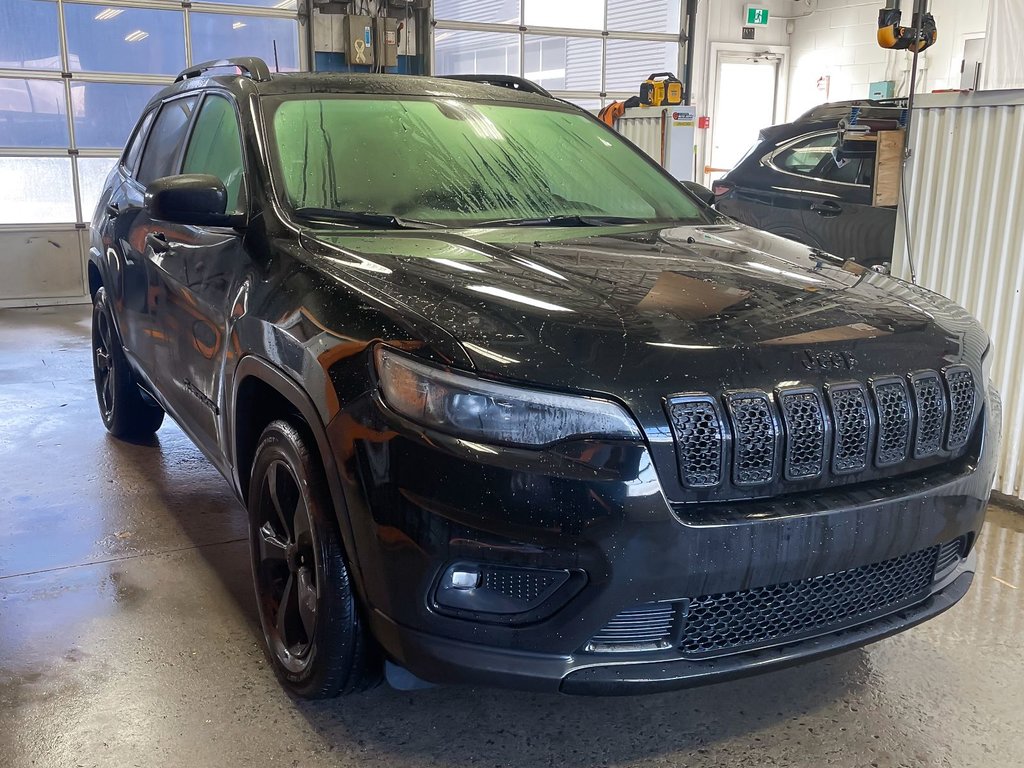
463, 163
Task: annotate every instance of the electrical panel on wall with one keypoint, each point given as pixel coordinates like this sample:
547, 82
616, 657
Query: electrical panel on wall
386, 40
358, 38
369, 35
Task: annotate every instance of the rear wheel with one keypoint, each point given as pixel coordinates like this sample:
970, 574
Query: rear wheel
125, 411
311, 623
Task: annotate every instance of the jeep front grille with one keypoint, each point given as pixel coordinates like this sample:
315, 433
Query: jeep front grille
754, 440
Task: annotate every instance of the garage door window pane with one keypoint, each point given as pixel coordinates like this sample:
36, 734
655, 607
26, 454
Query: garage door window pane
497, 12
135, 40
33, 113
105, 113
563, 63
656, 16
219, 36
288, 5
29, 37
464, 53
571, 14
92, 172
36, 190
631, 61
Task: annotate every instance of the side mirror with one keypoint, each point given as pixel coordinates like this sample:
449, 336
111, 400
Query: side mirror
701, 192
192, 198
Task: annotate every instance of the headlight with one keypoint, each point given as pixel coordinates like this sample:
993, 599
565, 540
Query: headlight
493, 413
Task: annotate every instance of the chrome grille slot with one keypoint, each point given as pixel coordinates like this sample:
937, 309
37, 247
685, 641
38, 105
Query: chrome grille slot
960, 383
852, 427
930, 408
697, 426
805, 431
751, 443
894, 421
643, 627
755, 437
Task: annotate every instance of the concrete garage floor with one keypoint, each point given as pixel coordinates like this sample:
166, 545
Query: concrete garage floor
128, 635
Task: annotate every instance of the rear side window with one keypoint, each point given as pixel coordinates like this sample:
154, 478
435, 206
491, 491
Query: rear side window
215, 147
848, 173
131, 155
805, 156
165, 140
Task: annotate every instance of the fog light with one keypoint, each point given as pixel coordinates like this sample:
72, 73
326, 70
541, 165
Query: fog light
496, 589
465, 579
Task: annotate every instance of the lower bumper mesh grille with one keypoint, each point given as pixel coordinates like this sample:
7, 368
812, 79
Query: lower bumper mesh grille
738, 621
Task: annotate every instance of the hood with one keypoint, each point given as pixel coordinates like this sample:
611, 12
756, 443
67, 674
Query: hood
640, 313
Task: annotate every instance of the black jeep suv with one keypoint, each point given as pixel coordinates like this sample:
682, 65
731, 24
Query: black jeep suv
506, 404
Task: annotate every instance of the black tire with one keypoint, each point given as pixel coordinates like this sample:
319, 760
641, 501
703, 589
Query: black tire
125, 411
319, 646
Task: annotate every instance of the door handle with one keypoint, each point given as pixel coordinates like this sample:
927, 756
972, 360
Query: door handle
827, 208
113, 209
158, 242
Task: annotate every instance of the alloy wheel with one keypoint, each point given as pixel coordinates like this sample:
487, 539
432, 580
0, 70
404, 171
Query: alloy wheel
103, 363
288, 567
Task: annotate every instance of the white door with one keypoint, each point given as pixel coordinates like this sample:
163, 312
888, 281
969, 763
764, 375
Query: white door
746, 100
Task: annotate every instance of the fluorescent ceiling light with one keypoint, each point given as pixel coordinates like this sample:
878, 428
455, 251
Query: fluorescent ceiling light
678, 346
136, 36
456, 264
488, 353
238, 25
108, 13
517, 298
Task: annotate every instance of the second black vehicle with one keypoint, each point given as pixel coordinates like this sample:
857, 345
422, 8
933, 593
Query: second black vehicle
790, 184
506, 404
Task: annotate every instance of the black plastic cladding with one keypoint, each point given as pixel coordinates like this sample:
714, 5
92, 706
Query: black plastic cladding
882, 426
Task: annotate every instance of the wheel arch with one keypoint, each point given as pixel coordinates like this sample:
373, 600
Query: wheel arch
95, 279
262, 392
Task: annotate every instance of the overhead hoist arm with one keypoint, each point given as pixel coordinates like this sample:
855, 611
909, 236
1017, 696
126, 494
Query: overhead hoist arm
920, 35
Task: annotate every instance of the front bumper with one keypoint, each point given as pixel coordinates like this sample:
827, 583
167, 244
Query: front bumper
418, 502
457, 662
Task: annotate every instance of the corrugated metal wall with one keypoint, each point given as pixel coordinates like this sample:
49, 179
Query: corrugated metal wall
965, 207
645, 127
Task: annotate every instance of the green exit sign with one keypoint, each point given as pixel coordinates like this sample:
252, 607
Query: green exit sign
757, 15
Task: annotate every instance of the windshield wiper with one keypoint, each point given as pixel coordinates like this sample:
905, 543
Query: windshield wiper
383, 220
573, 220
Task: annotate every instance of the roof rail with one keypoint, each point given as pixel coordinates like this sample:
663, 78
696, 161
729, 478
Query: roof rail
503, 81
256, 69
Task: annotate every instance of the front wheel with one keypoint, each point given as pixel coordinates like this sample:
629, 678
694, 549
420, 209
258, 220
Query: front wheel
314, 634
125, 411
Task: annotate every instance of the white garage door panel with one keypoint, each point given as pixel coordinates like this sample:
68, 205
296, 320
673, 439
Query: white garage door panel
41, 264
965, 194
